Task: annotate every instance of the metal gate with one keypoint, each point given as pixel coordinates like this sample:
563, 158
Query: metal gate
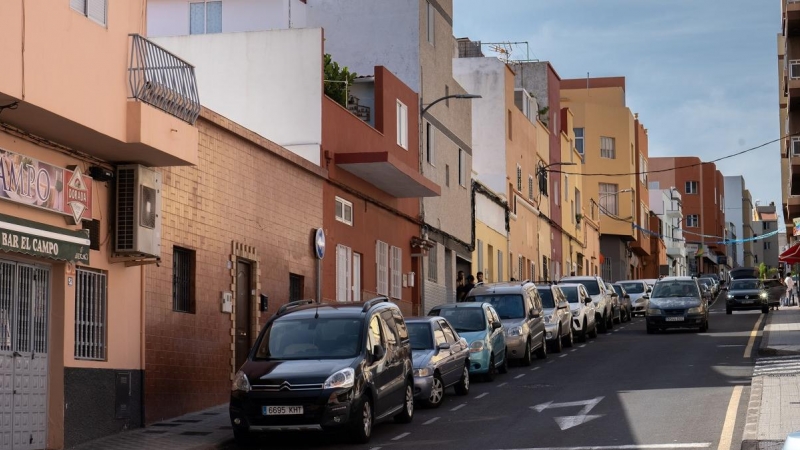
24, 308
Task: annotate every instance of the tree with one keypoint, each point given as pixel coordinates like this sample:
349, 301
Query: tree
762, 271
337, 80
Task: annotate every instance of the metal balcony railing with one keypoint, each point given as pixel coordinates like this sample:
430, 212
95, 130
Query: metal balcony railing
161, 79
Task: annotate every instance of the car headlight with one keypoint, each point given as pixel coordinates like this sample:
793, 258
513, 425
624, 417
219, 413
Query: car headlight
764, 295
423, 372
476, 347
730, 296
515, 331
696, 310
654, 312
240, 382
344, 378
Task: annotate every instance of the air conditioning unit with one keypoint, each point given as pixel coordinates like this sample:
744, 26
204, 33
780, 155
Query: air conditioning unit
138, 224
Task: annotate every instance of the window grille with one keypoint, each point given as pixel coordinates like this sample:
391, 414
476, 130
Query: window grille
182, 280
90, 315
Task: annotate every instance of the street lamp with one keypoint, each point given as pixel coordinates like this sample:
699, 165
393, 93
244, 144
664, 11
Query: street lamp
447, 97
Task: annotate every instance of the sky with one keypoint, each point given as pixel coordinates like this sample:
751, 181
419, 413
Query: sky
702, 74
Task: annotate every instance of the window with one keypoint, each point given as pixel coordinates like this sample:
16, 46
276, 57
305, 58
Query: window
479, 248
519, 178
438, 335
499, 265
542, 179
796, 146
566, 187
766, 225
767, 245
344, 211
692, 221
448, 332
402, 125
295, 287
447, 175
375, 334
462, 167
429, 142
645, 215
521, 268
578, 208
556, 182
93, 9
183, 263
433, 269
578, 139
643, 169
382, 261
608, 199
510, 129
608, 148
530, 187
572, 211
691, 187
344, 273
90, 314
431, 24
397, 272
205, 17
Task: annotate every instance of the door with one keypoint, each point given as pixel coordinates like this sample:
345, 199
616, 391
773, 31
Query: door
243, 311
356, 277
378, 367
24, 313
496, 336
452, 366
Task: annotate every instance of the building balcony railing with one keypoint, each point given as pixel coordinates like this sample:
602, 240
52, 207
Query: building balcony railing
161, 79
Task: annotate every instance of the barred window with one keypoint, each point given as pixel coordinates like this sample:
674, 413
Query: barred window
433, 270
295, 287
91, 294
183, 262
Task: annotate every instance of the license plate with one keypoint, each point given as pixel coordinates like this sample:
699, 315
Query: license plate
281, 410
674, 319
747, 302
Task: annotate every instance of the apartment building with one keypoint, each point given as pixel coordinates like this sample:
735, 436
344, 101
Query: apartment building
703, 201
492, 227
667, 205
748, 230
573, 244
72, 258
788, 50
765, 223
654, 264
645, 238
609, 133
739, 213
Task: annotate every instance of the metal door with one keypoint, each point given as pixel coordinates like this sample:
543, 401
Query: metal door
243, 308
24, 312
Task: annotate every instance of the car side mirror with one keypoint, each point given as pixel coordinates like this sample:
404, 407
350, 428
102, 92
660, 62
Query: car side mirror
646, 297
378, 352
496, 325
444, 346
587, 300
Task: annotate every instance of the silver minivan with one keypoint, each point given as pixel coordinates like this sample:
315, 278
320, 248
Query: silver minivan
520, 309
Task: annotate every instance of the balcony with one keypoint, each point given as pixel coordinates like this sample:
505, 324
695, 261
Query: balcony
673, 213
676, 251
793, 207
388, 173
792, 18
793, 82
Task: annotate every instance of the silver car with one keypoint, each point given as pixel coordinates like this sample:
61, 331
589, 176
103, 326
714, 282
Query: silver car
584, 321
637, 289
440, 357
601, 298
557, 317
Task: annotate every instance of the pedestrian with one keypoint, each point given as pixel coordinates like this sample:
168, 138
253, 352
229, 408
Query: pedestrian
480, 277
461, 282
789, 298
466, 288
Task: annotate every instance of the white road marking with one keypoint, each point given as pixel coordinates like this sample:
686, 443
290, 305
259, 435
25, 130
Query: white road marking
482, 395
730, 345
574, 350
748, 351
567, 422
458, 407
581, 346
519, 376
563, 355
730, 419
502, 384
400, 436
625, 447
431, 421
535, 368
550, 362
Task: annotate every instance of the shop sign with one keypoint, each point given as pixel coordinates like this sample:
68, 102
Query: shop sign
27, 181
46, 241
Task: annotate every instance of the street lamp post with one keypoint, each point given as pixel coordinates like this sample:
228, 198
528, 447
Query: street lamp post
446, 97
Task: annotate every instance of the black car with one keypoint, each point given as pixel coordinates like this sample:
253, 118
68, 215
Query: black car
676, 302
326, 367
746, 295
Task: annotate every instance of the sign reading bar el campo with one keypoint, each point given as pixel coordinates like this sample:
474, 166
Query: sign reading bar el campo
27, 181
46, 241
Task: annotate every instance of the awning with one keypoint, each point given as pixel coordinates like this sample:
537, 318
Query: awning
791, 255
46, 241
389, 174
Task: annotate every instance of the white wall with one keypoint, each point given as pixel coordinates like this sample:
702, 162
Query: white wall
486, 77
269, 82
171, 17
734, 212
491, 214
362, 34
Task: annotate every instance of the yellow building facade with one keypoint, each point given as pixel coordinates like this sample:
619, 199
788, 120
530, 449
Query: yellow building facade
572, 211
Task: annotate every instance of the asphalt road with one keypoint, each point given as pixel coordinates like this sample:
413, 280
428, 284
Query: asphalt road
623, 390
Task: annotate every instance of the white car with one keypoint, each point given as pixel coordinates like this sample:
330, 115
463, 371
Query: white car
601, 298
584, 323
637, 289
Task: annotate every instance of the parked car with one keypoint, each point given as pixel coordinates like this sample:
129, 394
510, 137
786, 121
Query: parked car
713, 285
677, 302
650, 281
616, 303
744, 294
705, 289
557, 318
584, 319
637, 289
775, 290
441, 359
624, 301
520, 310
326, 367
480, 325
601, 298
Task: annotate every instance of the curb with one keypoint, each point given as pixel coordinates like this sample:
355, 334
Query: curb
750, 433
765, 350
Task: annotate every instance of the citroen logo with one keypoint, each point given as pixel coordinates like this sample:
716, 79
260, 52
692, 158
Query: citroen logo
286, 386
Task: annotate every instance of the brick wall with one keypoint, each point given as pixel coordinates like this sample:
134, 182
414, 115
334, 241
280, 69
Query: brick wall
246, 192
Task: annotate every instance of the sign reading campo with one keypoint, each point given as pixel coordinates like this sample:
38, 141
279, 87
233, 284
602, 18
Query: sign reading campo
38, 239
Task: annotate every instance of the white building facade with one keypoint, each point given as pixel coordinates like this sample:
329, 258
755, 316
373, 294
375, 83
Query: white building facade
667, 205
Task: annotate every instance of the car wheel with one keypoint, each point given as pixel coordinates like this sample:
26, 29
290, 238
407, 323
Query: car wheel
730, 311
242, 437
437, 392
504, 367
556, 346
618, 318
569, 339
542, 352
462, 388
593, 333
602, 323
407, 414
492, 373
584, 332
526, 358
610, 324
362, 423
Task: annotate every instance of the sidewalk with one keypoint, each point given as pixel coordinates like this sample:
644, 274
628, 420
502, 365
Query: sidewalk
202, 430
773, 410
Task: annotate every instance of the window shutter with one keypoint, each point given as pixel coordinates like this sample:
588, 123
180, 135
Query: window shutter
397, 272
78, 5
348, 274
382, 261
341, 280
96, 10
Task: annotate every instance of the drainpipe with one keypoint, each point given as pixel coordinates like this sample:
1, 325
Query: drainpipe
142, 301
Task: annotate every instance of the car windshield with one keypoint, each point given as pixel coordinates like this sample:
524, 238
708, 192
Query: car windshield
741, 285
420, 335
310, 338
571, 292
508, 306
676, 288
547, 298
464, 320
633, 288
617, 289
592, 287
